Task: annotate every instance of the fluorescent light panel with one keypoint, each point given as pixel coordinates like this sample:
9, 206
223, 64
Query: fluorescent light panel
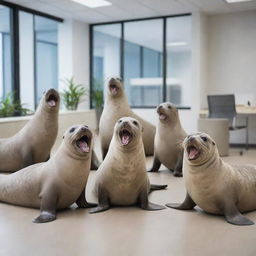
237, 1
178, 43
93, 3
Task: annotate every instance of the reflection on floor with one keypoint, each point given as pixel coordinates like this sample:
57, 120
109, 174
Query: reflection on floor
129, 230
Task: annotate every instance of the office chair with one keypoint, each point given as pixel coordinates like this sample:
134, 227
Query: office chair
224, 106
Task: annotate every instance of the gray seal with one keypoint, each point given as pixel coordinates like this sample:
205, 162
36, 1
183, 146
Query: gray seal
55, 184
33, 143
122, 179
215, 186
169, 137
116, 106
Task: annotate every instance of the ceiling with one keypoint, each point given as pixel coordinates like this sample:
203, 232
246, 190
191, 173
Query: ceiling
132, 9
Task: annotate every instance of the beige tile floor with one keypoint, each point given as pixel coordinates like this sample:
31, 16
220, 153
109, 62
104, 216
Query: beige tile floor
129, 230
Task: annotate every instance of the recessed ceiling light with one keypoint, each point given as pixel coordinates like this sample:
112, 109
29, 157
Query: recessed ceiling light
171, 44
237, 1
93, 3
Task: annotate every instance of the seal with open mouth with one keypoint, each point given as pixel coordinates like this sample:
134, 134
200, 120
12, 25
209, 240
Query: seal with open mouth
121, 178
116, 106
55, 184
33, 143
168, 148
215, 186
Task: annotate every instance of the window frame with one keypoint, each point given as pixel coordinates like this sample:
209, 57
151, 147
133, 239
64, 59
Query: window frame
122, 22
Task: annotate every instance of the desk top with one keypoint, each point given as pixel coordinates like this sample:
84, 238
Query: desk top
240, 109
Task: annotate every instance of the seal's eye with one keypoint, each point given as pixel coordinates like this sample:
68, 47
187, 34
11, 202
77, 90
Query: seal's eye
204, 138
72, 130
169, 107
119, 121
136, 123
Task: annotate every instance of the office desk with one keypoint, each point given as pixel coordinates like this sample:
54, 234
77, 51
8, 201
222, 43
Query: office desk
240, 109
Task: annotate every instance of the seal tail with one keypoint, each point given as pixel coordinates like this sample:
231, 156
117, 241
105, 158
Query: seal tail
157, 187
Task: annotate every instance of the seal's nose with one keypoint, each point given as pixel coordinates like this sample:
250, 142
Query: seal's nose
84, 128
191, 138
112, 80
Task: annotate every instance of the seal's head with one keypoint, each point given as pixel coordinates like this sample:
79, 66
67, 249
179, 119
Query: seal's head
167, 113
128, 131
199, 148
115, 87
78, 139
51, 100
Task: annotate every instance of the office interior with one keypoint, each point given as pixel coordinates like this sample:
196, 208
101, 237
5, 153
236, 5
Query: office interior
178, 51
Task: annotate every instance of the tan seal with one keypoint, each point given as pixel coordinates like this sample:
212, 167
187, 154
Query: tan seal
55, 184
215, 186
117, 106
33, 143
122, 178
168, 148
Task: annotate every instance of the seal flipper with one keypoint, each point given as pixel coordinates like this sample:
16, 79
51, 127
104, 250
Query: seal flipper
146, 205
179, 164
156, 165
103, 201
233, 216
188, 204
157, 187
48, 208
95, 163
82, 203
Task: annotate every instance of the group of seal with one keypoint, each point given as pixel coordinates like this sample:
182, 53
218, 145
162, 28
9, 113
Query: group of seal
57, 182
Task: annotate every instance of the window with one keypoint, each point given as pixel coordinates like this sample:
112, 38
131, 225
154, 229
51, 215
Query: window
28, 53
142, 62
38, 57
46, 51
106, 53
6, 83
154, 61
178, 45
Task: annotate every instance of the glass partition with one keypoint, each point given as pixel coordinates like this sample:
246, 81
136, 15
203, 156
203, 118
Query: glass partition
106, 53
178, 45
143, 50
46, 51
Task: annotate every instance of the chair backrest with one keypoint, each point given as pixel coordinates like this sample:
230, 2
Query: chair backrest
222, 106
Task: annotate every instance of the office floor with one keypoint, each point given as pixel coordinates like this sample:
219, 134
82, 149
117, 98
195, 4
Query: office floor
129, 230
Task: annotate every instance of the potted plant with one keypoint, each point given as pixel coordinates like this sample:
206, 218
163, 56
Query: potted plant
9, 107
72, 95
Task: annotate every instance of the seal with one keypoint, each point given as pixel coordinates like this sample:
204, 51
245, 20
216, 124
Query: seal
55, 184
215, 186
168, 148
122, 179
116, 106
33, 143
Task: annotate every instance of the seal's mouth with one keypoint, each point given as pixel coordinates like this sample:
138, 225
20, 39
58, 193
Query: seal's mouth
125, 137
162, 115
193, 152
113, 89
83, 144
52, 100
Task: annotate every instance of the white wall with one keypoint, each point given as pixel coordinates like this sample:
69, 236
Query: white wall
232, 61
73, 55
